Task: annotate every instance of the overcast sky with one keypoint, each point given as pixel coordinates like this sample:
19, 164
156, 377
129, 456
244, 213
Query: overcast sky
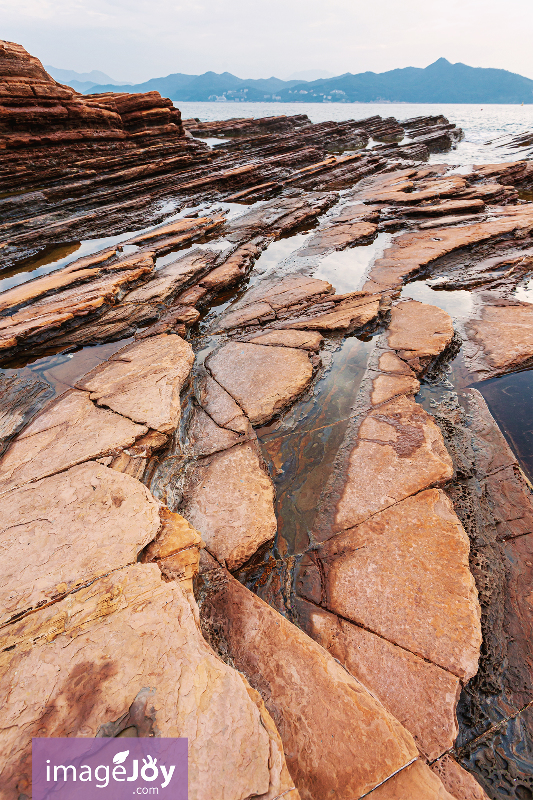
133, 40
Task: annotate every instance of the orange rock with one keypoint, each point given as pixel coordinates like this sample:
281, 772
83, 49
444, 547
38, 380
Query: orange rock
399, 451
416, 782
457, 780
505, 333
262, 379
230, 500
59, 549
420, 695
206, 437
414, 558
338, 237
411, 251
346, 315
345, 752
308, 340
69, 431
143, 381
385, 387
82, 667
419, 332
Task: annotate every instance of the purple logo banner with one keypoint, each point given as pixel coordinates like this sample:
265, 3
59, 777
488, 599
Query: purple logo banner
110, 769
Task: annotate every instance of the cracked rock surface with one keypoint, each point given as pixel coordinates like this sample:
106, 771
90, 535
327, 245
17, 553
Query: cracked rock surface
246, 503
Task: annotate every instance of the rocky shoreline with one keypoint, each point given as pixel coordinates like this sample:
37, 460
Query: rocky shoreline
228, 513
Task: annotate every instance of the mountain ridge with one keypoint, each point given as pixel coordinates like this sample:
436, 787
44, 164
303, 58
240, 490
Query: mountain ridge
439, 82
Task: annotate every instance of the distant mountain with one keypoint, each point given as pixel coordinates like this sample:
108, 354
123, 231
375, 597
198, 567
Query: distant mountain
81, 81
441, 82
209, 86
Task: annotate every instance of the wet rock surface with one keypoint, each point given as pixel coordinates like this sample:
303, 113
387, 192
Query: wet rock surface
218, 350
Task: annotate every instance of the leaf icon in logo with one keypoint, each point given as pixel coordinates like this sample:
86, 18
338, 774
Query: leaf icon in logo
120, 757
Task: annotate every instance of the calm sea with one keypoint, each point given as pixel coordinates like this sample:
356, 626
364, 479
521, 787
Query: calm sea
481, 124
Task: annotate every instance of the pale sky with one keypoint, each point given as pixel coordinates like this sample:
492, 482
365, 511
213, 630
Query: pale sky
133, 40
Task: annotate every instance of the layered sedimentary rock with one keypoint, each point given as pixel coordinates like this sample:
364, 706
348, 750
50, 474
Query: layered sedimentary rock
217, 389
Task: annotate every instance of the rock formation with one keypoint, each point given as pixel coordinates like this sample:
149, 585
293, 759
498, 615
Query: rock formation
245, 504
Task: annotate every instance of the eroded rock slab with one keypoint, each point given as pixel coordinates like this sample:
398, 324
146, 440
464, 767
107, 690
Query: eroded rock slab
344, 753
144, 380
345, 314
21, 398
505, 332
419, 332
265, 301
416, 782
230, 500
457, 780
411, 251
399, 451
262, 379
414, 558
420, 695
69, 431
307, 340
66, 530
82, 667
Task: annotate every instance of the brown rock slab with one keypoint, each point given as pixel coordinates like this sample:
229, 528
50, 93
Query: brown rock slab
338, 237
414, 558
21, 398
262, 379
411, 251
67, 432
457, 780
506, 335
419, 332
230, 500
420, 695
206, 437
512, 502
143, 381
173, 277
81, 667
347, 315
389, 362
344, 752
53, 531
43, 317
182, 227
220, 406
416, 782
263, 301
385, 387
399, 451
307, 340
